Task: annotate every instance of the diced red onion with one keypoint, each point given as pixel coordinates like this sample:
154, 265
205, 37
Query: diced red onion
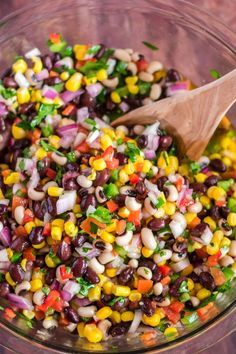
93, 253
151, 187
65, 295
83, 114
206, 236
20, 302
69, 175
67, 129
67, 61
55, 285
34, 179
153, 142
49, 92
149, 154
184, 198
81, 250
94, 89
28, 164
179, 266
136, 321
66, 201
95, 144
101, 124
82, 302
4, 255
42, 75
93, 135
177, 88
5, 236
124, 107
3, 109
151, 129
21, 80
80, 137
4, 266
35, 52
71, 288
68, 133
68, 96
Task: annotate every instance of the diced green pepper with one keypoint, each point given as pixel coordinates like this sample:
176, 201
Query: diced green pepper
111, 190
187, 320
226, 184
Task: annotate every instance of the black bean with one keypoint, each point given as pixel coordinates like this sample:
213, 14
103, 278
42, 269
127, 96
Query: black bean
71, 184
140, 188
156, 275
198, 187
147, 306
123, 159
36, 235
194, 277
42, 166
142, 141
165, 142
211, 181
51, 206
87, 201
118, 330
71, 314
16, 272
156, 224
120, 199
215, 212
56, 57
9, 82
50, 276
101, 177
173, 75
47, 62
3, 209
26, 108
161, 181
120, 304
79, 240
20, 144
14, 157
218, 165
4, 289
87, 100
91, 276
203, 213
100, 52
195, 260
79, 267
64, 251
198, 230
100, 245
148, 264
72, 166
126, 275
207, 281
38, 210
20, 244
51, 81
189, 304
224, 211
39, 261
174, 288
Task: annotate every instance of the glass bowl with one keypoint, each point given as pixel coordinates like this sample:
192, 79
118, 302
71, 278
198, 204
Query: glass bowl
188, 39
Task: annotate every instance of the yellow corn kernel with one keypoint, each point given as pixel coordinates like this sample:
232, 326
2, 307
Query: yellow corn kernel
231, 219
50, 262
214, 246
146, 166
101, 75
109, 132
146, 252
94, 294
93, 333
58, 222
225, 242
74, 82
37, 274
215, 156
129, 168
158, 75
38, 65
17, 132
64, 76
55, 191
80, 51
161, 162
169, 208
123, 212
89, 80
225, 142
99, 164
104, 313
80, 329
133, 89
190, 284
189, 217
173, 165
135, 296
107, 236
226, 160
54, 140
40, 245
112, 226
170, 332
115, 317
14, 177
50, 241
70, 229
186, 271
9, 279
127, 316
160, 312
184, 170
1, 194
23, 263
35, 285
205, 201
105, 141
212, 224
123, 177
9, 253
23, 95
41, 154
121, 290
203, 294
20, 66
131, 80
115, 97
56, 233
103, 280
197, 287
107, 288
111, 272
200, 177
29, 226
152, 321
76, 209
216, 193
29, 314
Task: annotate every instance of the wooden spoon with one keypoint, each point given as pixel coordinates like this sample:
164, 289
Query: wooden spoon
192, 116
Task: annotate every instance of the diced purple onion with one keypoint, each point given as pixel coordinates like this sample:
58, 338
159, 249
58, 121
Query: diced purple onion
71, 288
20, 302
153, 142
66, 202
5, 236
151, 187
179, 266
34, 179
94, 89
4, 255
68, 129
206, 236
49, 92
82, 302
68, 96
101, 124
124, 107
149, 154
3, 109
44, 74
28, 164
55, 285
83, 114
80, 137
177, 88
66, 296
4, 266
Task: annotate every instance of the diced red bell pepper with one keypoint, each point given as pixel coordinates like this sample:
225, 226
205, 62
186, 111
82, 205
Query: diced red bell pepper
52, 300
83, 147
108, 154
112, 206
113, 164
176, 306
47, 229
55, 38
214, 259
164, 269
142, 65
28, 216
64, 273
172, 316
134, 217
51, 173
134, 179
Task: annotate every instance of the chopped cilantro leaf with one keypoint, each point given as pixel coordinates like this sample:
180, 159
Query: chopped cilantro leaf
160, 202
90, 122
47, 130
183, 287
91, 67
195, 167
7, 92
71, 156
43, 111
144, 87
46, 290
130, 226
47, 147
132, 151
120, 250
121, 67
150, 45
25, 125
59, 174
22, 165
215, 74
119, 141
85, 286
16, 256
116, 299
94, 49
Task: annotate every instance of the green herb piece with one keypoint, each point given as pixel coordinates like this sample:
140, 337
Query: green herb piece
91, 68
120, 299
49, 148
93, 228
228, 273
119, 141
44, 110
46, 290
174, 277
157, 249
22, 165
188, 320
121, 67
194, 167
150, 45
184, 297
232, 204
102, 215
16, 256
208, 300
54, 257
71, 156
66, 52
8, 194
58, 87
166, 157
1, 308
160, 202
28, 322
226, 185
26, 152
7, 92
130, 226
86, 249
183, 288
94, 49
120, 250
90, 122
58, 177
85, 286
108, 53
47, 130
162, 325
225, 287
122, 91
215, 74
114, 175
150, 174
132, 151
25, 125
85, 319
101, 98
111, 190
144, 87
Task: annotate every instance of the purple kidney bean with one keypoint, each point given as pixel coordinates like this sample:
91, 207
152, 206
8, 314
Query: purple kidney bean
148, 264
4, 289
71, 184
3, 209
20, 244
142, 141
165, 142
100, 245
64, 251
42, 166
173, 75
120, 304
218, 165
87, 201
36, 235
156, 224
47, 62
118, 330
71, 314
40, 261
91, 276
50, 276
101, 177
198, 230
123, 159
79, 240
207, 281
147, 306
198, 187
79, 267
16, 272
161, 181
224, 212
215, 212
9, 82
211, 181
125, 275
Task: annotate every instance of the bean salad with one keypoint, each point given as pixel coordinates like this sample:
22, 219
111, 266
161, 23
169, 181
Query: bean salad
105, 231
